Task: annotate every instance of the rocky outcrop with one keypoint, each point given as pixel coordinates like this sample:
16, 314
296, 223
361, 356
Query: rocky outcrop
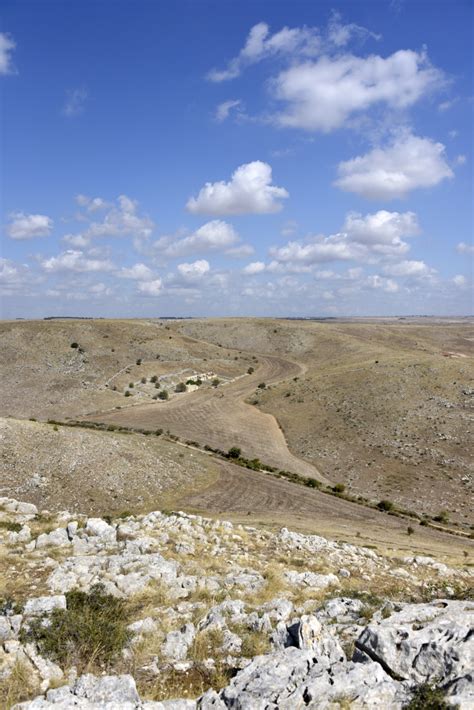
276, 612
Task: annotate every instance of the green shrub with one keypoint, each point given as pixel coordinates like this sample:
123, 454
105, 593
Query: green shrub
92, 630
385, 505
154, 378
163, 394
215, 382
442, 517
139, 361
11, 527
130, 384
128, 394
74, 345
262, 385
410, 530
234, 452
143, 380
157, 385
339, 488
250, 370
180, 387
428, 697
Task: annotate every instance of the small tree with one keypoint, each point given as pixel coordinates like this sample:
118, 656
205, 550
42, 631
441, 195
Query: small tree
154, 378
74, 345
215, 382
250, 370
385, 505
130, 384
234, 452
163, 395
339, 488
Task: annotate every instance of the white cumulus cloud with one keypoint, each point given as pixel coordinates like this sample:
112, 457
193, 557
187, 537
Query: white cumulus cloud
194, 271
322, 95
28, 226
365, 238
248, 192
408, 267
410, 162
215, 235
289, 43
7, 45
140, 272
74, 260
150, 288
255, 267
464, 248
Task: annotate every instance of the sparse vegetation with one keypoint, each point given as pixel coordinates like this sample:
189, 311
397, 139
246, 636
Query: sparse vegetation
385, 505
89, 633
428, 697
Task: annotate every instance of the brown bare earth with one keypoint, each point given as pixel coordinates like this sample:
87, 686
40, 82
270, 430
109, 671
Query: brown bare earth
384, 407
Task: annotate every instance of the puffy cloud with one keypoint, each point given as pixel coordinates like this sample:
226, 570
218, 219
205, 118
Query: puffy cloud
139, 272
255, 267
150, 288
75, 102
194, 271
261, 44
13, 277
459, 280
74, 260
92, 203
77, 240
7, 45
366, 238
212, 236
120, 220
326, 249
387, 285
248, 192
28, 226
464, 248
417, 269
461, 159
382, 231
408, 163
100, 289
223, 110
322, 95
289, 42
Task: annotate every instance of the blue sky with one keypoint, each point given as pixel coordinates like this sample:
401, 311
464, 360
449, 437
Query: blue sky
236, 158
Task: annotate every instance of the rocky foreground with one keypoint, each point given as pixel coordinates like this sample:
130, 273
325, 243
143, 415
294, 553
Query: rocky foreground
169, 610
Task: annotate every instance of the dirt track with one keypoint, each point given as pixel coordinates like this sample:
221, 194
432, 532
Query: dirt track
221, 418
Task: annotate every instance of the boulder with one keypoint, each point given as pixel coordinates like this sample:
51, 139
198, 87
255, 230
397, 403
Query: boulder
177, 643
423, 643
44, 605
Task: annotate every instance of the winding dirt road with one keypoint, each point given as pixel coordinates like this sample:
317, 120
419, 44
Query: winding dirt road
221, 418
